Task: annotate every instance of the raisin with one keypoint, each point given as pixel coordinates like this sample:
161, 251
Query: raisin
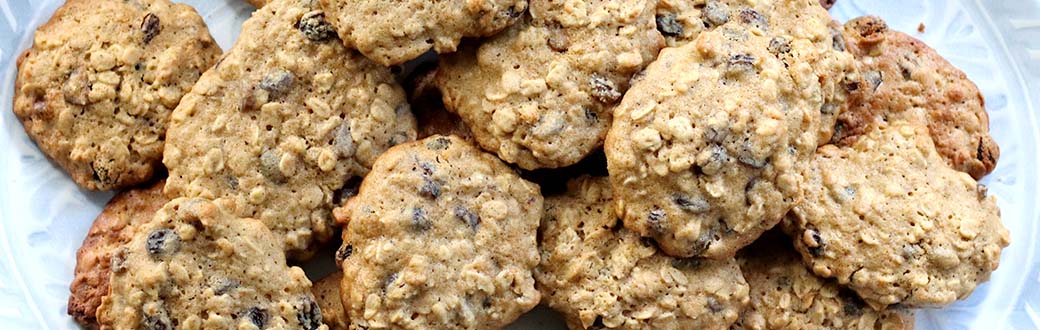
344, 141
655, 218
225, 285
779, 45
269, 167
558, 39
604, 90
715, 13
591, 116
827, 4
344, 252
750, 160
309, 314
420, 221
714, 306
695, 205
388, 282
349, 189
314, 27
753, 18
151, 27
430, 189
257, 316
231, 181
470, 218
427, 168
837, 40
874, 78
741, 63
669, 26
162, 241
686, 263
828, 108
440, 143
277, 83
157, 322
817, 243
703, 242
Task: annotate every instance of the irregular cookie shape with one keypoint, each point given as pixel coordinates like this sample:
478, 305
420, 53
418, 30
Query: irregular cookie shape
283, 121
541, 94
600, 275
96, 89
197, 265
113, 228
326, 291
704, 151
786, 295
887, 217
441, 236
393, 32
901, 76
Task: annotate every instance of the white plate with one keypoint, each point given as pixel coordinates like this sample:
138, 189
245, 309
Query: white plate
44, 216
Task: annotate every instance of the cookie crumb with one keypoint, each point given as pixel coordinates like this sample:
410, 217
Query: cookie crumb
920, 27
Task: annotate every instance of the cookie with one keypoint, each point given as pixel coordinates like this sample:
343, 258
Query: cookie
705, 149
786, 295
441, 236
96, 89
902, 75
115, 226
599, 275
284, 119
889, 218
393, 32
326, 291
196, 265
541, 94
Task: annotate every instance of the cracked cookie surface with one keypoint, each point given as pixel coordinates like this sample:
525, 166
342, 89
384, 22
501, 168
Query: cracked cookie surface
196, 265
903, 76
889, 218
393, 32
96, 89
602, 276
283, 121
440, 236
541, 94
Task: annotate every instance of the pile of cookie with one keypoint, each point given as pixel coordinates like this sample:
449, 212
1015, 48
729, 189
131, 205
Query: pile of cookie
669, 164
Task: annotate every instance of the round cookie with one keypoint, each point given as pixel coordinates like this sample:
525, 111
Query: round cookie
889, 218
326, 291
113, 228
902, 75
393, 32
197, 265
602, 276
541, 94
284, 119
786, 295
704, 150
441, 236
96, 89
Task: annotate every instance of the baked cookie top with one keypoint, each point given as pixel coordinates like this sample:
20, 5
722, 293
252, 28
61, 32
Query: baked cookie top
112, 229
197, 265
600, 275
284, 119
786, 295
541, 94
326, 292
96, 89
441, 236
704, 150
393, 32
889, 218
901, 76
